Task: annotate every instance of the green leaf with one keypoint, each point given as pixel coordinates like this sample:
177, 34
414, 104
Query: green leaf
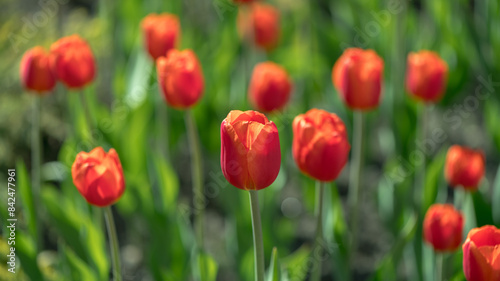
168, 184
26, 197
495, 204
209, 266
274, 268
296, 264
26, 251
434, 179
79, 270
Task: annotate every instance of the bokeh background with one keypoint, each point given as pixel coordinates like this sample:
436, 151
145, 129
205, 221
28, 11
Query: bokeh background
60, 237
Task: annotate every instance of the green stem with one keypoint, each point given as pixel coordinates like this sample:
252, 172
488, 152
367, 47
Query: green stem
257, 236
439, 266
355, 173
36, 165
88, 117
113, 241
197, 178
317, 250
161, 118
420, 180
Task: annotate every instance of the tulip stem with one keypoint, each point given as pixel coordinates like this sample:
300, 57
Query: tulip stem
439, 266
88, 117
197, 178
317, 250
355, 172
36, 163
113, 241
257, 236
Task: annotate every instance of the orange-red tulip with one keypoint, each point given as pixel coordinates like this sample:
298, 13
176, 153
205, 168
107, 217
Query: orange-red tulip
481, 260
74, 63
357, 76
426, 76
260, 22
161, 33
98, 176
443, 226
464, 166
320, 144
250, 150
36, 71
270, 87
181, 78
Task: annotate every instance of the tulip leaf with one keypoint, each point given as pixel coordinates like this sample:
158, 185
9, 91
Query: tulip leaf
27, 253
209, 266
434, 180
26, 197
168, 183
273, 273
79, 270
297, 264
491, 113
495, 204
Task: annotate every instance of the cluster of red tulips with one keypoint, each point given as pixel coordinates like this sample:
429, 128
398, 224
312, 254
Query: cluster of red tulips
250, 146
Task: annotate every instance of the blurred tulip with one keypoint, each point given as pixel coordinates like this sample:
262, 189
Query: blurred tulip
270, 87
161, 33
74, 63
250, 150
481, 259
357, 76
443, 226
98, 176
464, 166
181, 78
36, 71
259, 23
320, 144
426, 76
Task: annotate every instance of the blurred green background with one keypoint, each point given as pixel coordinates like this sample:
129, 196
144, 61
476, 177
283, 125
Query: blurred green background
60, 237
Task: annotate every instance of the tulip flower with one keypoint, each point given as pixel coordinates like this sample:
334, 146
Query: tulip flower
465, 167
74, 63
36, 71
98, 176
426, 76
357, 76
443, 226
181, 78
250, 160
250, 150
161, 33
320, 144
259, 23
270, 87
481, 259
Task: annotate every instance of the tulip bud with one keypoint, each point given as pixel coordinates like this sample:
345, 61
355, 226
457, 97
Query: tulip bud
98, 176
443, 226
320, 144
270, 87
161, 33
74, 63
250, 150
36, 72
465, 167
181, 78
259, 23
357, 76
426, 76
481, 259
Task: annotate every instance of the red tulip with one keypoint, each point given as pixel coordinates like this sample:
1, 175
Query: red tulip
426, 76
270, 87
181, 78
320, 144
443, 226
464, 166
357, 76
36, 71
259, 23
74, 62
98, 176
161, 33
250, 150
481, 260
